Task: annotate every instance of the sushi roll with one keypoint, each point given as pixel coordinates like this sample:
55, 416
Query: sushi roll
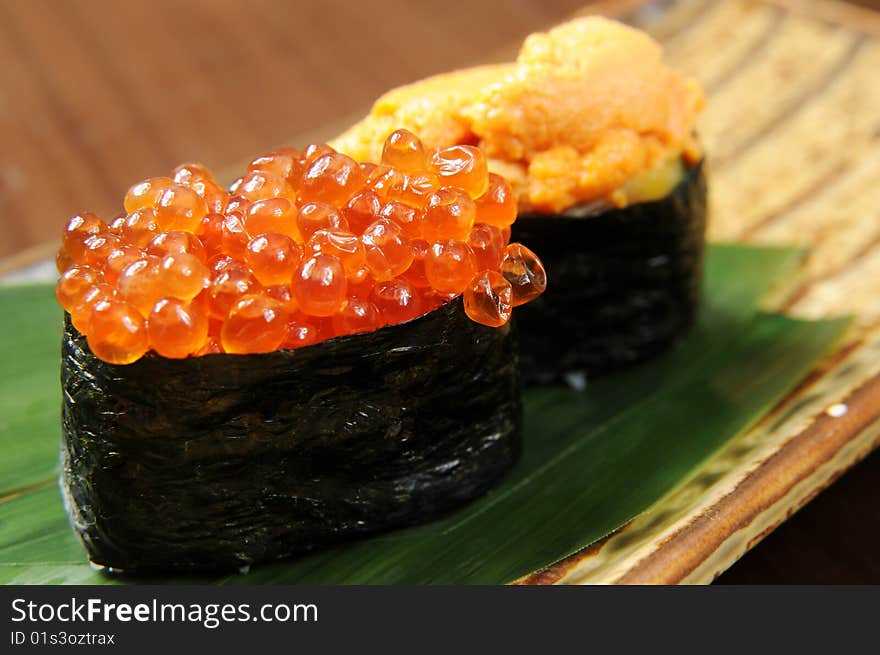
320, 352
597, 137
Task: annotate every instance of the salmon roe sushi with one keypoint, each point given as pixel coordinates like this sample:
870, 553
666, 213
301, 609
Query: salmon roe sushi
305, 246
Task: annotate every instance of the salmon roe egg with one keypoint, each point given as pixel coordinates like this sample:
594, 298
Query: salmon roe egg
397, 301
138, 284
315, 151
357, 316
116, 224
118, 260
77, 231
140, 227
388, 253
277, 215
314, 216
332, 178
449, 214
182, 275
117, 333
81, 314
498, 205
98, 247
487, 244
283, 294
525, 272
63, 261
488, 299
320, 286
464, 167
227, 286
237, 205
233, 236
212, 193
415, 274
361, 283
408, 218
256, 324
282, 164
176, 241
146, 193
180, 208
258, 185
449, 266
192, 172
404, 151
210, 233
273, 258
74, 283
177, 328
345, 246
300, 333
362, 210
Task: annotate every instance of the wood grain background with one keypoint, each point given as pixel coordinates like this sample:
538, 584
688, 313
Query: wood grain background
96, 94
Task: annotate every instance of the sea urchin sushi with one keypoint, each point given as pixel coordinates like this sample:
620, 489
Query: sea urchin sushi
597, 137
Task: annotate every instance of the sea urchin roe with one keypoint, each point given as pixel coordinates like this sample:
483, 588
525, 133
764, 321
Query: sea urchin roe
488, 299
303, 248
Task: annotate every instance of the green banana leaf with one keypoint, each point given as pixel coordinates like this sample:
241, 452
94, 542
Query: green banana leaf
592, 461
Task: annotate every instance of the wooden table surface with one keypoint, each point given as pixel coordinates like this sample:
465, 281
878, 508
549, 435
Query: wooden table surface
96, 94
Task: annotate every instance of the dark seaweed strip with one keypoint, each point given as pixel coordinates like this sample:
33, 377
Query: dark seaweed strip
223, 460
623, 285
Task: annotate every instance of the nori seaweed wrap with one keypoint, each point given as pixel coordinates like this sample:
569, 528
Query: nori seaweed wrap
222, 460
625, 284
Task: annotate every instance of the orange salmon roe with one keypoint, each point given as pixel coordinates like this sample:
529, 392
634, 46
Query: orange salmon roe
525, 272
303, 247
77, 231
489, 297
177, 328
464, 167
117, 333
273, 258
256, 324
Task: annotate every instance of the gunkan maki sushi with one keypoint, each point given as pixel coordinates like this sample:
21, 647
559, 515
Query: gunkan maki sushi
597, 137
320, 352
